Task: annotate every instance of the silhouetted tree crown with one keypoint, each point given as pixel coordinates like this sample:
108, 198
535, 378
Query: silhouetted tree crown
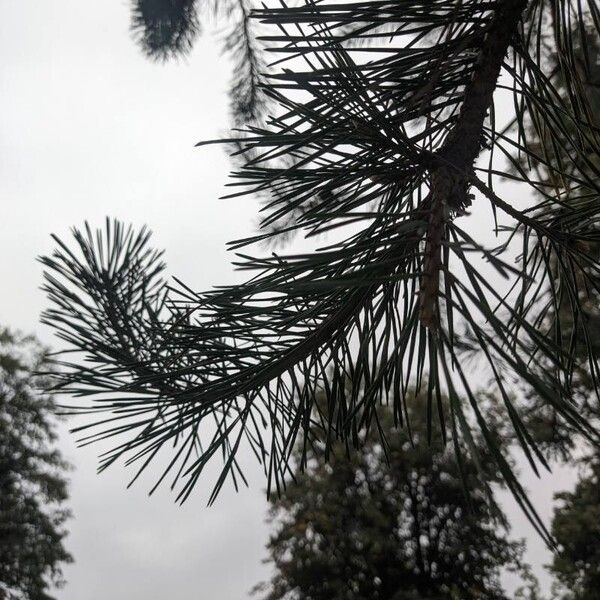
390, 521
33, 487
576, 528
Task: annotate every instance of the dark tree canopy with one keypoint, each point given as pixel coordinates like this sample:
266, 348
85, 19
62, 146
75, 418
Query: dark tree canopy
576, 565
33, 488
385, 141
393, 525
576, 528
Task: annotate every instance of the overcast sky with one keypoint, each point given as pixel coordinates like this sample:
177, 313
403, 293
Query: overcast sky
89, 128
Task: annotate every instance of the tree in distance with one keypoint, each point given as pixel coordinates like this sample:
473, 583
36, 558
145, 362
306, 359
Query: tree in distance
576, 528
33, 488
390, 521
576, 563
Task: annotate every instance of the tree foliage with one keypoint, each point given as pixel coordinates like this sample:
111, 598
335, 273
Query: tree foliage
33, 488
383, 140
575, 524
579, 336
7, 593
390, 522
165, 29
576, 528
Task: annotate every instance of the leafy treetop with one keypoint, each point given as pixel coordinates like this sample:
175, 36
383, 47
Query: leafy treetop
33, 488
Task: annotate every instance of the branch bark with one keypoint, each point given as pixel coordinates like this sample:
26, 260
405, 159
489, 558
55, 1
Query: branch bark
449, 185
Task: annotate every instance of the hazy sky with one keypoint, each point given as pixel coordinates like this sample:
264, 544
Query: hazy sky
89, 128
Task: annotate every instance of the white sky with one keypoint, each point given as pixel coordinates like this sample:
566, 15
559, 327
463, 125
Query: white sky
89, 128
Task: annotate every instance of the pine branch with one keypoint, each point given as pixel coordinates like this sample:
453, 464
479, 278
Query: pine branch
385, 137
247, 102
167, 29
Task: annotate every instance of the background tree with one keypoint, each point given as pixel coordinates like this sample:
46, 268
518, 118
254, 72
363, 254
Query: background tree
387, 140
7, 593
580, 336
390, 521
576, 528
33, 488
576, 565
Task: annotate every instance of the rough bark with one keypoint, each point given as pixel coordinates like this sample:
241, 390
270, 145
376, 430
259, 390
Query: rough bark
449, 184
